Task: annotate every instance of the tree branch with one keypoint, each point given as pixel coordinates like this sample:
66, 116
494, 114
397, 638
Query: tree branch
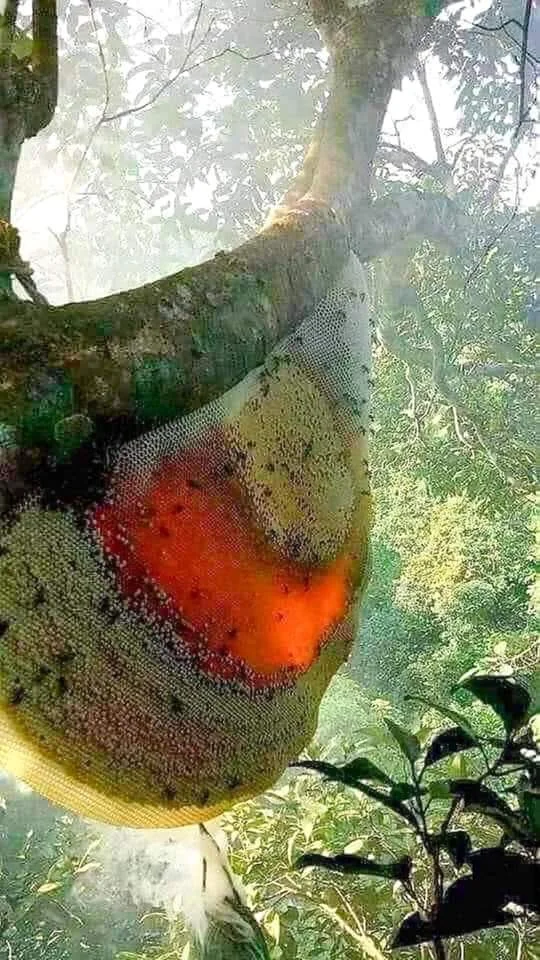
368, 61
435, 129
522, 110
404, 215
398, 154
215, 321
505, 160
44, 64
182, 70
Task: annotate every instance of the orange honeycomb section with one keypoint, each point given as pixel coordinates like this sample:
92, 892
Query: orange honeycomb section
189, 536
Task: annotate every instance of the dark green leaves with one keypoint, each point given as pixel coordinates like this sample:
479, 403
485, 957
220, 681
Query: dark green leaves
457, 844
363, 769
468, 905
530, 802
407, 742
498, 877
447, 743
509, 698
478, 797
350, 863
453, 715
405, 791
355, 773
478, 901
349, 773
507, 876
413, 929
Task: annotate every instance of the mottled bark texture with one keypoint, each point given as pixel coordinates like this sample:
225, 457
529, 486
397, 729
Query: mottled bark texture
200, 330
28, 93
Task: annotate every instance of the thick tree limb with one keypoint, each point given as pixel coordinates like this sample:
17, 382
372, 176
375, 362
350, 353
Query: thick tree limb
7, 30
405, 215
28, 91
371, 47
214, 322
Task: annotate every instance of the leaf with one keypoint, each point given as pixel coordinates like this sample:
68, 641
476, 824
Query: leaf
447, 743
457, 844
507, 876
509, 698
355, 845
364, 769
273, 927
290, 847
390, 802
350, 863
414, 929
469, 904
342, 775
407, 742
480, 798
439, 789
530, 803
48, 887
405, 791
348, 773
458, 718
90, 865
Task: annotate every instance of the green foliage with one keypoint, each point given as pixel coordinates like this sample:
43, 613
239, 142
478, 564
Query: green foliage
451, 585
498, 875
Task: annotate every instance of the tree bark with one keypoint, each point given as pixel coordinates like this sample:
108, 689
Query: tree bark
28, 94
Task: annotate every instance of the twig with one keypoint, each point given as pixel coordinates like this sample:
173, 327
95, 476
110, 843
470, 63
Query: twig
396, 128
509, 153
476, 267
348, 907
502, 27
457, 427
413, 409
522, 112
371, 952
408, 157
105, 106
181, 70
61, 239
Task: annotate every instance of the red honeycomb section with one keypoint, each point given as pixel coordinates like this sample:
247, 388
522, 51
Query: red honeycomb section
189, 536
